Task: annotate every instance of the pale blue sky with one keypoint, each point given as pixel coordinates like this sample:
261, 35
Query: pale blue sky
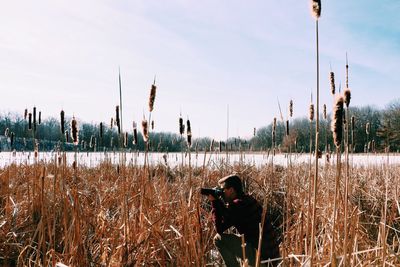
206, 54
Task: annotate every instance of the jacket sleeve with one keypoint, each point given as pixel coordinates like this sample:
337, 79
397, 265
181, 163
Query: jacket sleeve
221, 216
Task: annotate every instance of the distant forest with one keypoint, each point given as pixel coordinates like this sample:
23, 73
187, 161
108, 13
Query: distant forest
374, 130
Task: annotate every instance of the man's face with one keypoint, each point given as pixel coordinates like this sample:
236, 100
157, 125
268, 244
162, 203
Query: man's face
229, 193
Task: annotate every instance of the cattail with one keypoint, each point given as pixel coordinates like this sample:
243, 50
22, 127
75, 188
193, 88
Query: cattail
274, 125
352, 123
287, 127
254, 131
112, 123
66, 136
332, 79
152, 125
220, 146
181, 126
337, 121
291, 108
189, 133
40, 118
145, 131
30, 121
134, 133
62, 122
152, 97
212, 145
12, 139
36, 148
126, 139
316, 8
311, 110
101, 130
273, 137
74, 131
92, 141
34, 119
347, 96
117, 121
325, 116
25, 114
367, 128
6, 132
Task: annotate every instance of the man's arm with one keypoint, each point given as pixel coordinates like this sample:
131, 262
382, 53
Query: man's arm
220, 215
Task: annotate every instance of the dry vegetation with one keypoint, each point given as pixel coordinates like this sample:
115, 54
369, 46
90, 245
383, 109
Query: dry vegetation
132, 215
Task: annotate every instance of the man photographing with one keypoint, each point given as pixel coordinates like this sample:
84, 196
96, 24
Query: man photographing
244, 213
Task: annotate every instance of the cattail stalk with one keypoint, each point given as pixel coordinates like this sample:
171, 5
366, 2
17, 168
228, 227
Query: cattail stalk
316, 7
347, 96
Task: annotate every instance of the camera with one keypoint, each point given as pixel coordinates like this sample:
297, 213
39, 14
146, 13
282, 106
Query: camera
215, 192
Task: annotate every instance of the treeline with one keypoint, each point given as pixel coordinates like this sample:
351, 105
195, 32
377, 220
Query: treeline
373, 130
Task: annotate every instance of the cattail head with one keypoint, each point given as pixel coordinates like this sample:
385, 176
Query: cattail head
337, 121
145, 131
274, 125
40, 118
62, 122
311, 111
367, 128
25, 114
112, 123
34, 118
212, 145
254, 131
152, 124
74, 131
291, 108
30, 121
347, 96
352, 123
152, 97
6, 132
316, 8
117, 119
332, 80
325, 112
189, 133
287, 127
181, 126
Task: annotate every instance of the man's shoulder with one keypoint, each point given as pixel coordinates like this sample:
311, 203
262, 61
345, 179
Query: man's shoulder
245, 200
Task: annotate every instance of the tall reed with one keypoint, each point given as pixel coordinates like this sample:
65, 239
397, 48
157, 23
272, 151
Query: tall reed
316, 11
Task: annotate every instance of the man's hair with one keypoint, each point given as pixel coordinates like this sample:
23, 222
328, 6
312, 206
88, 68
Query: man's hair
232, 181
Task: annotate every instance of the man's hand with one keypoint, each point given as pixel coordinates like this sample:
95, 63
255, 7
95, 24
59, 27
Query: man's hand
211, 197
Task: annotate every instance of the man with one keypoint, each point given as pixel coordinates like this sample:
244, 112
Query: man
244, 213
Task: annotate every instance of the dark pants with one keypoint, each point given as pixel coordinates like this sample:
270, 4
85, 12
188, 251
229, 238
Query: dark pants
230, 247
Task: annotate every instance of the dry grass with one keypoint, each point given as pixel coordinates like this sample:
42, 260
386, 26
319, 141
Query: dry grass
113, 215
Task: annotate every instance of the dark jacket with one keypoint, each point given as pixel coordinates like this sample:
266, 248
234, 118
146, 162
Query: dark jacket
244, 213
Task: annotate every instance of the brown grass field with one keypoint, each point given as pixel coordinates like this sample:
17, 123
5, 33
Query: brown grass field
154, 216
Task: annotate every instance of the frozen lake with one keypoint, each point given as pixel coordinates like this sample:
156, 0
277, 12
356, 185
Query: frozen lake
92, 159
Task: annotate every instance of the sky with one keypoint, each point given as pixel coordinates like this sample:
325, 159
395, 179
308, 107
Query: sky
210, 58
